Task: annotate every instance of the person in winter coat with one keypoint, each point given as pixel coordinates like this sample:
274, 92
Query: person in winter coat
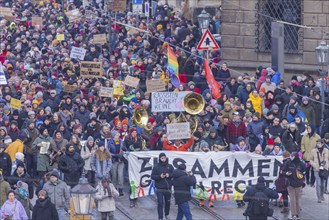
214, 140
4, 135
277, 151
294, 112
307, 145
133, 141
162, 174
275, 75
12, 208
4, 189
87, 152
71, 164
105, 194
44, 208
257, 101
5, 161
104, 134
294, 172
249, 197
269, 147
291, 138
16, 146
182, 181
59, 148
178, 146
82, 114
59, 194
22, 195
116, 148
319, 160
101, 162
235, 129
280, 183
255, 128
241, 145
43, 146
307, 108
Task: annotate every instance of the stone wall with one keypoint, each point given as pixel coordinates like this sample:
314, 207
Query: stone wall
239, 35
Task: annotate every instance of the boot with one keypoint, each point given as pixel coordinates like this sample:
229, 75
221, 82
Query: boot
120, 192
285, 210
211, 204
201, 203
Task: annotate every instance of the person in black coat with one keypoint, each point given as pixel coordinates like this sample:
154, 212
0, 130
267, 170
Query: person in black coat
71, 164
5, 161
162, 174
182, 181
249, 197
43, 208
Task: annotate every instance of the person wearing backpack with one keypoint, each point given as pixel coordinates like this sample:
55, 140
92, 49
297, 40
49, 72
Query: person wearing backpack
258, 198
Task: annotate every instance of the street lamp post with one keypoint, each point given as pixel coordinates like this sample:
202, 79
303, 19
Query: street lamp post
82, 196
204, 21
322, 55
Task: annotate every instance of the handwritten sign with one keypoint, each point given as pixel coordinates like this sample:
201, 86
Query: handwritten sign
117, 88
78, 53
36, 21
117, 5
90, 69
178, 131
15, 103
155, 85
131, 81
73, 15
168, 101
100, 39
106, 92
60, 37
132, 31
6, 13
69, 88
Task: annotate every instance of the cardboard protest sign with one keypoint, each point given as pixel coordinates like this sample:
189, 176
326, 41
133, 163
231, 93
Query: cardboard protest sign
132, 31
6, 13
117, 5
78, 53
73, 15
60, 37
155, 85
106, 92
117, 88
131, 81
178, 131
69, 88
100, 39
15, 103
36, 21
168, 101
90, 69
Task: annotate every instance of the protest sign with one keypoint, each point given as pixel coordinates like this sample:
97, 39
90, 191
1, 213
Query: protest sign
6, 13
60, 37
3, 80
36, 21
132, 31
73, 15
131, 81
100, 39
15, 103
69, 88
90, 69
78, 53
117, 88
178, 131
224, 175
168, 101
106, 92
117, 5
155, 85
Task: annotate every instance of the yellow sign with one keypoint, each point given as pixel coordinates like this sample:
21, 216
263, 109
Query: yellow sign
15, 103
60, 37
117, 88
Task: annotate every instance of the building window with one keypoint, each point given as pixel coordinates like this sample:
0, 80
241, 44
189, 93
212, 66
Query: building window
283, 10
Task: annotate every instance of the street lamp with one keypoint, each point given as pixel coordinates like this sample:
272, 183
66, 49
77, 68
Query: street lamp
83, 197
204, 20
322, 55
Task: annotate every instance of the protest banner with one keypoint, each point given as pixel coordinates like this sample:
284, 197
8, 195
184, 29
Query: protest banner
178, 131
73, 15
60, 37
15, 103
131, 81
222, 175
106, 92
168, 101
36, 20
90, 69
100, 39
155, 85
3, 79
78, 53
69, 88
117, 5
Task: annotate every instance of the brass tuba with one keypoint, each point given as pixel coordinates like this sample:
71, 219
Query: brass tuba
140, 117
193, 103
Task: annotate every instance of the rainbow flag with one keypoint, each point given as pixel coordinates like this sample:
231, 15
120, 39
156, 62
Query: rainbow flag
172, 67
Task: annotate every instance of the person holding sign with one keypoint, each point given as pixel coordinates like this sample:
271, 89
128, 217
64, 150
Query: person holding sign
178, 146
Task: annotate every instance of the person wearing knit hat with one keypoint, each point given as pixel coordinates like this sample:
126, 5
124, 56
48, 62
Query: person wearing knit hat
44, 208
5, 161
269, 147
204, 146
258, 150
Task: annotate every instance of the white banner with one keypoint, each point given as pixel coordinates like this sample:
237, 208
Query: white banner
178, 131
220, 175
168, 101
78, 53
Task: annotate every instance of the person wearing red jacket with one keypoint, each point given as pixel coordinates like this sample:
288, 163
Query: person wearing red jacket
178, 146
235, 129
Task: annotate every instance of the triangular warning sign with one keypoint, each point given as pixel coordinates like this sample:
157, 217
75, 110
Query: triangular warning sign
207, 42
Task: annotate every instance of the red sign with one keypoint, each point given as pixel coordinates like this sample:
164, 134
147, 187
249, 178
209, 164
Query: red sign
207, 42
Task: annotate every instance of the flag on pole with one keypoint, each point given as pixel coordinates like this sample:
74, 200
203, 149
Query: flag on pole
213, 84
172, 67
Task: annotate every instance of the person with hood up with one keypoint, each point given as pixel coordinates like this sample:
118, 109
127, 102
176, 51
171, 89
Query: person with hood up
105, 194
14, 147
101, 162
162, 174
215, 141
257, 101
44, 208
275, 75
254, 209
71, 164
291, 138
294, 112
261, 79
309, 140
307, 108
294, 172
4, 135
277, 151
5, 161
43, 146
241, 145
12, 208
182, 182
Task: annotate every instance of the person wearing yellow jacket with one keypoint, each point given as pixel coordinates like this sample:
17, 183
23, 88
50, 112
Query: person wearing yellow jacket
256, 101
16, 146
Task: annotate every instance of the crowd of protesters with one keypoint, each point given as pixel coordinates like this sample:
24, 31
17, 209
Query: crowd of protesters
47, 144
